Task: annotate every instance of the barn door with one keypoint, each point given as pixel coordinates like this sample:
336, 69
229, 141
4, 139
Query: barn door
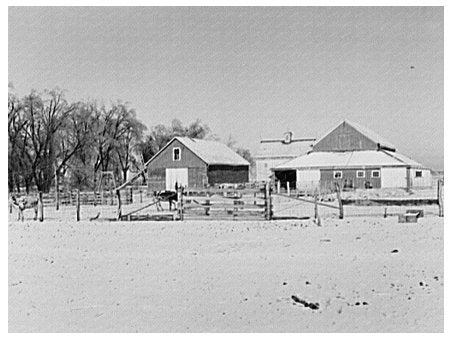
173, 175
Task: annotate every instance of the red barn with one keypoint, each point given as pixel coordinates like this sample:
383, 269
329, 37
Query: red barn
195, 163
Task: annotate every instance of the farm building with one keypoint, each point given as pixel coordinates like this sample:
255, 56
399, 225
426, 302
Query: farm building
195, 163
274, 152
353, 157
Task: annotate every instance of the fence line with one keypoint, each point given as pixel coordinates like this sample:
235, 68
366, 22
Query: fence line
245, 203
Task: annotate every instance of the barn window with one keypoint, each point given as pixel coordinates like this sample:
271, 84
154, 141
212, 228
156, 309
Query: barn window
418, 174
375, 174
176, 154
360, 174
337, 174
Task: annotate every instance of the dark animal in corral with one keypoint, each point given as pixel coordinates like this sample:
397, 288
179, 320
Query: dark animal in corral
24, 203
169, 196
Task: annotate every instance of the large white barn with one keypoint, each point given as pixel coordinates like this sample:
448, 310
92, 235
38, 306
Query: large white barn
353, 157
274, 152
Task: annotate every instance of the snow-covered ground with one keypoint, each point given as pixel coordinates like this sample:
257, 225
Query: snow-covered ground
365, 274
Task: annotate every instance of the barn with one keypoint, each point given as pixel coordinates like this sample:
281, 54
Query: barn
273, 152
355, 158
195, 163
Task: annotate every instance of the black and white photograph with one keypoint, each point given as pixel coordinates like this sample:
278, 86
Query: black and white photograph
225, 169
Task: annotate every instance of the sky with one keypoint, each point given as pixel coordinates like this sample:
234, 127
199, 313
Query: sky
251, 73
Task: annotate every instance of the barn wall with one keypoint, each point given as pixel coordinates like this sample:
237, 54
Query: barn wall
393, 177
424, 181
327, 181
344, 138
218, 174
156, 169
197, 177
165, 158
156, 179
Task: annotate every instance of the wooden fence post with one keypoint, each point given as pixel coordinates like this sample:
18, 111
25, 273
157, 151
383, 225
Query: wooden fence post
268, 202
180, 203
77, 206
141, 195
339, 199
441, 197
119, 213
267, 207
316, 211
40, 207
57, 190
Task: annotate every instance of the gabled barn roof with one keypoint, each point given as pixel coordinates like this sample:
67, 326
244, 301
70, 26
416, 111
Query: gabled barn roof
367, 133
213, 152
353, 159
210, 151
279, 149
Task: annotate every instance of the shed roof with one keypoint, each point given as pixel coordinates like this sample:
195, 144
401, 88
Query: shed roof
279, 149
210, 151
351, 159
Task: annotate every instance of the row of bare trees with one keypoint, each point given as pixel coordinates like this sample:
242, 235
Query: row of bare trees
48, 136
52, 139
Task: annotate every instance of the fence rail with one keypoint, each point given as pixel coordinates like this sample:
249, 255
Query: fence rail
236, 203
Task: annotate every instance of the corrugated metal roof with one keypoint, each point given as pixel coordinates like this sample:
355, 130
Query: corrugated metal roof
278, 149
213, 152
349, 160
378, 139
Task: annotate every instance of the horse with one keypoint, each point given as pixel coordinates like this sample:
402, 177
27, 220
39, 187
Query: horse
24, 203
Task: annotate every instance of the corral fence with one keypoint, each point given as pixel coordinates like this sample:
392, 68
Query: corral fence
223, 202
69, 197
300, 203
229, 202
236, 202
72, 200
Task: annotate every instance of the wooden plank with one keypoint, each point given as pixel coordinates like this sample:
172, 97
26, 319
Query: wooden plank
309, 201
226, 212
246, 206
142, 208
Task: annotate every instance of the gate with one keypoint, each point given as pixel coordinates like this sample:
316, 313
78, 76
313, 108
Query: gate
226, 204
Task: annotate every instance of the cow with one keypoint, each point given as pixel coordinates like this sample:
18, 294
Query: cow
169, 196
24, 203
